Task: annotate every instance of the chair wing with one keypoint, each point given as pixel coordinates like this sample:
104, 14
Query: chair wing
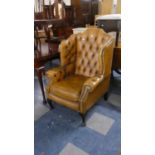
67, 50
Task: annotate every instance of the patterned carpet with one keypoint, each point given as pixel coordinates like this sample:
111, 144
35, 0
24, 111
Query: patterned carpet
59, 132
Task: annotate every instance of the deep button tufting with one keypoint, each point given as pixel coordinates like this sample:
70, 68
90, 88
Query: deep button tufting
95, 63
83, 46
88, 51
96, 72
87, 38
93, 55
79, 54
86, 54
90, 47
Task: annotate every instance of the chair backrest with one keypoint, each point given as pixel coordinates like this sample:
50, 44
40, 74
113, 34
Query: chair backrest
89, 52
83, 53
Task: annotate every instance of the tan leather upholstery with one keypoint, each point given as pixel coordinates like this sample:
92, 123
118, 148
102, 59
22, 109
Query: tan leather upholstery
70, 88
85, 70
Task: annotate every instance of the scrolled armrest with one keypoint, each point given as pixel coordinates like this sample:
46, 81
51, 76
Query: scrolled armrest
55, 74
89, 85
93, 82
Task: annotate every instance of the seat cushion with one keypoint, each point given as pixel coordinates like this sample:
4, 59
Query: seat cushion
69, 88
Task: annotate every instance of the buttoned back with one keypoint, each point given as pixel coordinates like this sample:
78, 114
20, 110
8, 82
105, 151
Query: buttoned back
83, 53
89, 52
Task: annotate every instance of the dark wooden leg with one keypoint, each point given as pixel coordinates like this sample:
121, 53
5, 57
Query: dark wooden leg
39, 72
50, 104
106, 95
83, 119
117, 37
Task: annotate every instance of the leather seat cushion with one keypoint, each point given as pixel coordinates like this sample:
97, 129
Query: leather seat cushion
69, 88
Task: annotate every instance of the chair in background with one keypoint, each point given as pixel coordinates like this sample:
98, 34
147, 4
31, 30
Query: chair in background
43, 53
85, 70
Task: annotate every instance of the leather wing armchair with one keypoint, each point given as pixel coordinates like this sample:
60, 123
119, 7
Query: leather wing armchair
84, 74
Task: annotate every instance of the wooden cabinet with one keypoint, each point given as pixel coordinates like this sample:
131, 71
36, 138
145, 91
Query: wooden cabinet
85, 11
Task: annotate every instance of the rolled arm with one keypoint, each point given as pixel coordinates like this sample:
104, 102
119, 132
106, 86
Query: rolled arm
93, 82
55, 74
89, 86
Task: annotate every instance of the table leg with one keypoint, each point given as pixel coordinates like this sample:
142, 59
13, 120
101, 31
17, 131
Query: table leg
39, 72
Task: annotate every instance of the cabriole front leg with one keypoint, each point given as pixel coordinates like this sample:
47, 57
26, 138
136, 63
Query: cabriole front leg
106, 95
83, 119
50, 104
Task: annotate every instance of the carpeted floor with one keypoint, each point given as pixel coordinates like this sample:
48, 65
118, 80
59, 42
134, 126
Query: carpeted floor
61, 126
59, 132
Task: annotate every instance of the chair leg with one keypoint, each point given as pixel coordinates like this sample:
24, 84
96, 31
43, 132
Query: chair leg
83, 119
106, 95
50, 104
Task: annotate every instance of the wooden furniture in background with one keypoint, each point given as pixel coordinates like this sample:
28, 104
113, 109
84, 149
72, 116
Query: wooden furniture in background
39, 9
110, 25
117, 58
85, 11
46, 46
42, 54
50, 11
